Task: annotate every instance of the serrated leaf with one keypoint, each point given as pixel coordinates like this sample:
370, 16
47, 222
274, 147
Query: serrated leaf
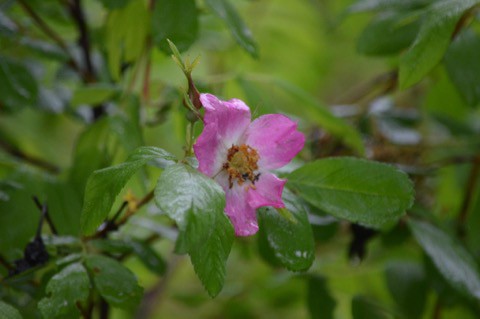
451, 259
64, 290
174, 20
181, 189
9, 312
225, 11
197, 204
278, 231
432, 40
366, 192
105, 184
321, 304
18, 86
463, 65
407, 284
93, 94
116, 283
388, 33
209, 237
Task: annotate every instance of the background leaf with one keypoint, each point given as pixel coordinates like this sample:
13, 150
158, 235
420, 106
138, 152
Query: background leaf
365, 308
407, 284
365, 192
278, 231
67, 288
451, 259
463, 66
225, 11
105, 184
18, 86
9, 312
321, 304
432, 40
114, 282
174, 20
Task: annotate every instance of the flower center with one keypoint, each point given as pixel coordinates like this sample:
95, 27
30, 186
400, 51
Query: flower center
241, 164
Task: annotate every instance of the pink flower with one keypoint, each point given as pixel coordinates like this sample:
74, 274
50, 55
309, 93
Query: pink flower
238, 155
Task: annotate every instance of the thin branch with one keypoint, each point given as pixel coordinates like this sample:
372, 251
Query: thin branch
35, 161
110, 225
78, 15
44, 209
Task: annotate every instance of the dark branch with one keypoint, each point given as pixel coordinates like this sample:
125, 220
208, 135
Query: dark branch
78, 15
29, 158
470, 187
44, 209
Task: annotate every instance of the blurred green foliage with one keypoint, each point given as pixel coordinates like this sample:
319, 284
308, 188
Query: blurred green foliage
85, 84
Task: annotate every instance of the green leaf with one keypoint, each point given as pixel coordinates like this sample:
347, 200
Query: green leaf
105, 184
225, 11
197, 204
298, 254
388, 33
114, 282
174, 20
9, 312
209, 236
366, 192
182, 189
93, 94
64, 290
365, 308
373, 5
407, 284
126, 30
321, 304
432, 40
451, 259
18, 86
148, 256
463, 65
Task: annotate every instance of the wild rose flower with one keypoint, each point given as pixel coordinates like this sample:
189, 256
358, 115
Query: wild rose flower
238, 155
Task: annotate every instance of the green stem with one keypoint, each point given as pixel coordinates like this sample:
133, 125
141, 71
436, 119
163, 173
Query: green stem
190, 139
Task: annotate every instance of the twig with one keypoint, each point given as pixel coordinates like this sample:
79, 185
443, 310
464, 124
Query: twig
103, 309
52, 168
44, 209
110, 225
470, 187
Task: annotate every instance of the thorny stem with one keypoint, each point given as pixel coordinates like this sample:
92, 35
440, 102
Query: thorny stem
470, 187
190, 139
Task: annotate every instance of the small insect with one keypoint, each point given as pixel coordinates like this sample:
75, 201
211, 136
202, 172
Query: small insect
256, 178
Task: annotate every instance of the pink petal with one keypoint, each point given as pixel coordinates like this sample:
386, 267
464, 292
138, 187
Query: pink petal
276, 139
225, 122
241, 214
268, 191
